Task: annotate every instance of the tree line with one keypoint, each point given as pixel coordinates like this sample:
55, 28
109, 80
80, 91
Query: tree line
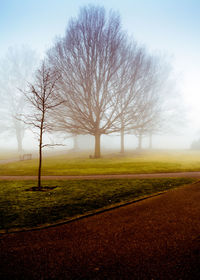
107, 83
95, 80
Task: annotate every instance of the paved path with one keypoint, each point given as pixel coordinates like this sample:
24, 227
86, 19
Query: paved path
158, 238
4, 161
114, 176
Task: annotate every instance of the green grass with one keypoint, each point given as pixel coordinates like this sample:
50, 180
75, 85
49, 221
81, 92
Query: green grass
22, 208
147, 162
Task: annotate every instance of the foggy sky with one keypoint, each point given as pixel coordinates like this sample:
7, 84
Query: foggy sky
169, 27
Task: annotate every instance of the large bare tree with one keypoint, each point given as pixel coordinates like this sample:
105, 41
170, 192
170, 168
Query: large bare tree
97, 66
42, 97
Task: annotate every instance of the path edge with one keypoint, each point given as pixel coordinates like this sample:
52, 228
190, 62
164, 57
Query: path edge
80, 217
90, 213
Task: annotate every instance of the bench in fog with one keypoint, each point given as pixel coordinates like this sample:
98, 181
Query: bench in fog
26, 157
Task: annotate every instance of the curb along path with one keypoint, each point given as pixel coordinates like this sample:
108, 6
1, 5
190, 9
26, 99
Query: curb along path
111, 176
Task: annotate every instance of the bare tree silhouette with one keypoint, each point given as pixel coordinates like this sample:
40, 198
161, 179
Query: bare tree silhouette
98, 66
42, 97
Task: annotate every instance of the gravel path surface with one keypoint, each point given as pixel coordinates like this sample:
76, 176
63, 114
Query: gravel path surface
157, 238
114, 176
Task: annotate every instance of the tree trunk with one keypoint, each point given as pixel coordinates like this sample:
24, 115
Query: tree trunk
140, 142
122, 140
75, 138
97, 152
19, 140
150, 141
40, 165
40, 154
19, 144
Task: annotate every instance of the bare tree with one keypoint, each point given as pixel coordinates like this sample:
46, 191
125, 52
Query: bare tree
156, 101
149, 124
139, 103
43, 98
16, 68
96, 64
2, 114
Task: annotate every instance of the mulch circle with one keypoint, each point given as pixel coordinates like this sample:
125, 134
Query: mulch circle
42, 189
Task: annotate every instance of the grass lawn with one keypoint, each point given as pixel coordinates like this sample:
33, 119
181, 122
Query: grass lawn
132, 162
22, 208
8, 154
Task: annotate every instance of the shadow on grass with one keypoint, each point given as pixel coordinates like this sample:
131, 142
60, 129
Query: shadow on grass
41, 189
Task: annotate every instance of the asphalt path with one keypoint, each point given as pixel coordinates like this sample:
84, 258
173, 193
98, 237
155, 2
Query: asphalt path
111, 176
157, 238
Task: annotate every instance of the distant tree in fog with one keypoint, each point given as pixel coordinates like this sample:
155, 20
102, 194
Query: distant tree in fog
16, 68
147, 128
158, 103
59, 122
195, 145
96, 63
2, 114
42, 98
139, 111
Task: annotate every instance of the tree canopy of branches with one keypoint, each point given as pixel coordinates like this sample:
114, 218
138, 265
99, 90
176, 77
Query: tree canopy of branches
98, 66
139, 111
42, 97
150, 116
157, 107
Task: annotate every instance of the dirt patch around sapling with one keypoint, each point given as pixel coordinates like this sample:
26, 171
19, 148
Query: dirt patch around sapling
42, 189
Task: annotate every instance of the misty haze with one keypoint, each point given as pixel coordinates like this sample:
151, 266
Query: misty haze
99, 139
